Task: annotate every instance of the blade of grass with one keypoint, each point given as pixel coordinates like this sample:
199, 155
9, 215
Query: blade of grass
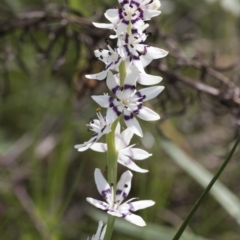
228, 200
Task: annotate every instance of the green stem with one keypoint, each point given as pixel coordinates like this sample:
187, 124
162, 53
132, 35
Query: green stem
112, 173
112, 158
122, 72
206, 191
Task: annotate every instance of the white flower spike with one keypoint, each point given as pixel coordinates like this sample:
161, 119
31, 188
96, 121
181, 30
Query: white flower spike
125, 153
100, 232
128, 101
100, 127
114, 206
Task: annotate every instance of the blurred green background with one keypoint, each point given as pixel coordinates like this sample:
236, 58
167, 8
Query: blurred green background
46, 48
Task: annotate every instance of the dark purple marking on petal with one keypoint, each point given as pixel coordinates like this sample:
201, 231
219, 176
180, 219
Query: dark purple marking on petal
95, 134
120, 13
108, 66
119, 192
124, 2
115, 109
133, 21
136, 57
127, 117
138, 93
115, 89
111, 99
104, 193
117, 61
135, 3
103, 128
126, 38
139, 107
125, 21
125, 214
128, 86
127, 50
103, 204
134, 31
131, 207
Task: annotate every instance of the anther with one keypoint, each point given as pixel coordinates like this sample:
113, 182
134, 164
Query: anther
100, 49
111, 184
131, 45
125, 185
107, 41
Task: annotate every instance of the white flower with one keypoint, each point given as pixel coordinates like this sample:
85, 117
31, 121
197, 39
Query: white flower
114, 206
125, 153
132, 13
112, 60
100, 127
100, 232
131, 48
129, 101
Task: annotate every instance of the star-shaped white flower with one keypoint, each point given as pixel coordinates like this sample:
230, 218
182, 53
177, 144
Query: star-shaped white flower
132, 13
115, 206
125, 153
112, 60
129, 101
132, 48
100, 232
100, 127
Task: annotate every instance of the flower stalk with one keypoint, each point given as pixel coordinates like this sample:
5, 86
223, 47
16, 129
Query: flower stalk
112, 156
206, 191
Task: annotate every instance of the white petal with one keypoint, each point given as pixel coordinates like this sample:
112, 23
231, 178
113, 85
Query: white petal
124, 139
111, 82
148, 14
147, 114
103, 186
135, 153
99, 76
156, 53
113, 114
114, 212
132, 123
134, 206
97, 203
131, 77
151, 92
83, 147
123, 186
86, 145
147, 79
135, 219
122, 27
100, 225
152, 53
103, 25
122, 52
127, 162
102, 100
99, 147
139, 64
112, 15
